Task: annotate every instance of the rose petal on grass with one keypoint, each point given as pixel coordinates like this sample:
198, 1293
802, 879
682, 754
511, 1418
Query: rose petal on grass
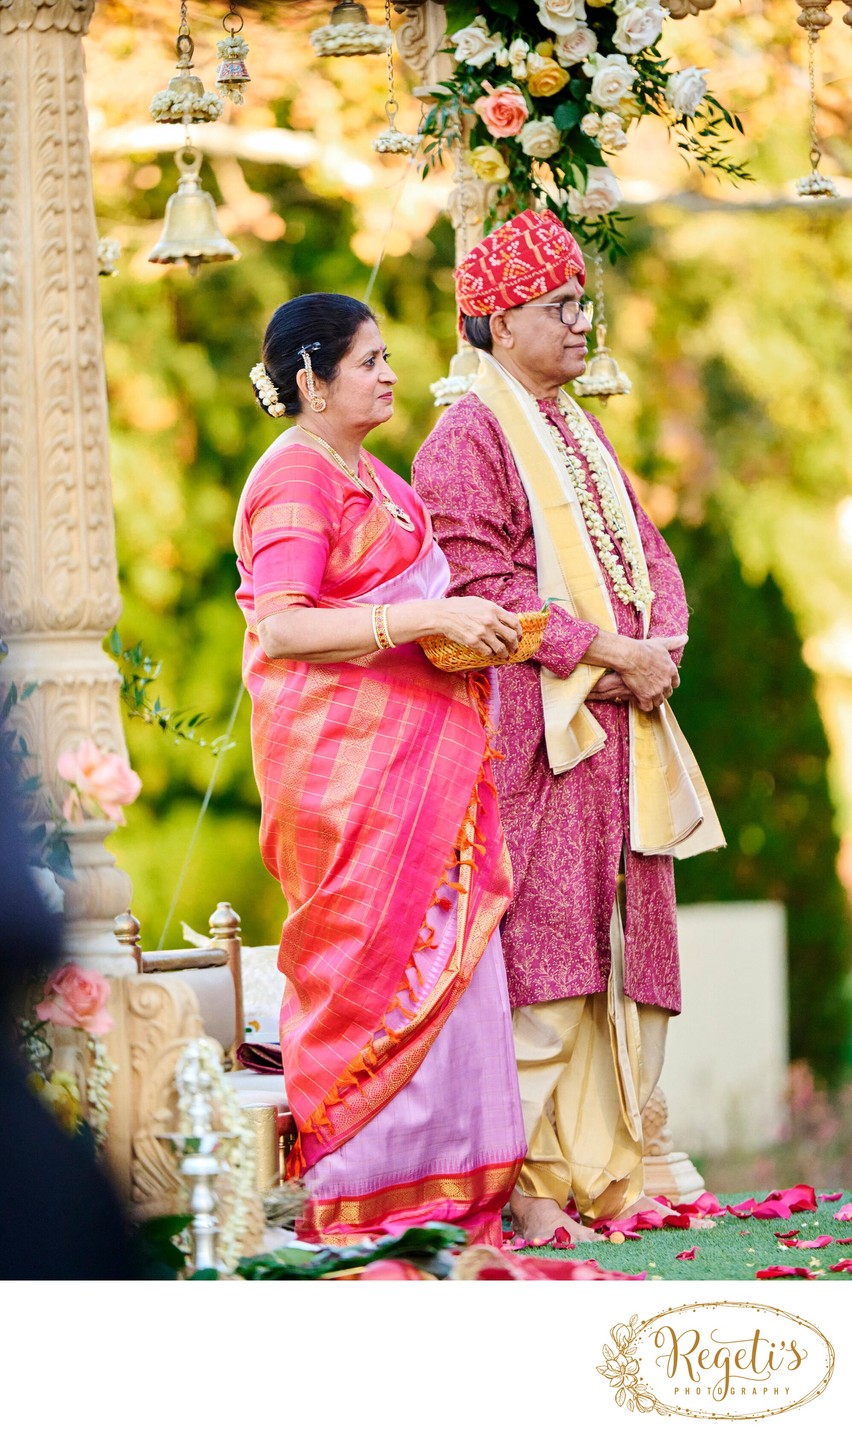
830, 1197
772, 1208
792, 1233
844, 1213
800, 1198
782, 1270
843, 1240
676, 1220
844, 1266
687, 1253
742, 1210
562, 1239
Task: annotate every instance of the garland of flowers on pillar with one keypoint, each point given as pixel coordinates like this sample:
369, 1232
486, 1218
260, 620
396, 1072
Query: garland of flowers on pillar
547, 93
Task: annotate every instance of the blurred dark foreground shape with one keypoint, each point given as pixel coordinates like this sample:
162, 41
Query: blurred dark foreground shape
59, 1218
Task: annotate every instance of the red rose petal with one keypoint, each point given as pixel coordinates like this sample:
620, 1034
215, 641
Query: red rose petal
844, 1213
830, 1197
800, 1198
843, 1240
772, 1208
844, 1266
687, 1253
562, 1239
781, 1270
792, 1233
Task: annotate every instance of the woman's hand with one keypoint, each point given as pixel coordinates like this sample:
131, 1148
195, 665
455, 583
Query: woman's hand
479, 624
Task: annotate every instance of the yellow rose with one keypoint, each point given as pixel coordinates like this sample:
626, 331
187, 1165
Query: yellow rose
488, 164
545, 48
629, 108
545, 76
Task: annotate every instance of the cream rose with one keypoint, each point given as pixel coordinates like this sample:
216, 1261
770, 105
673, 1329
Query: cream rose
561, 16
611, 135
474, 45
488, 164
686, 89
612, 78
590, 124
638, 27
600, 197
579, 45
540, 139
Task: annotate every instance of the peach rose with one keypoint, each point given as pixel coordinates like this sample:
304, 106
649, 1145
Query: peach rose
545, 76
503, 110
101, 783
76, 998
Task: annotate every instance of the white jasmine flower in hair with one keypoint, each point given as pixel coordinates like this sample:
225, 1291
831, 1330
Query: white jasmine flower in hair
600, 197
686, 89
474, 45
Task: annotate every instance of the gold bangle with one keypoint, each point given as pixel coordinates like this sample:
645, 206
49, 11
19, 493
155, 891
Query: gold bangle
380, 627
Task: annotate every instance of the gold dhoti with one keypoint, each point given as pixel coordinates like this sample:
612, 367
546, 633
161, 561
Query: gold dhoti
587, 1067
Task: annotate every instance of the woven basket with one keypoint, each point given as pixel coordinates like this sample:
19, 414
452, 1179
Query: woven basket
446, 654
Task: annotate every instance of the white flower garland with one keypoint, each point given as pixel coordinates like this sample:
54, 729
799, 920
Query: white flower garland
351, 39
634, 590
99, 1075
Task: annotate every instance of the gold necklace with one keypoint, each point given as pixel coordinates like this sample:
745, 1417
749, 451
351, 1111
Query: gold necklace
395, 510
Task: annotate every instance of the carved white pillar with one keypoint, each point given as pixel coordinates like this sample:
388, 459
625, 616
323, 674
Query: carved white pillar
58, 581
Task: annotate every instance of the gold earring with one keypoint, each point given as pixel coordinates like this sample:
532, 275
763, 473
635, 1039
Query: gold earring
317, 403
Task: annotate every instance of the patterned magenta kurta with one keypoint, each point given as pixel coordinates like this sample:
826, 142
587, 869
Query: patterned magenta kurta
565, 832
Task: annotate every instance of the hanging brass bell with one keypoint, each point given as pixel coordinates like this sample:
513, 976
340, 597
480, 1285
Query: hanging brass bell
191, 228
603, 377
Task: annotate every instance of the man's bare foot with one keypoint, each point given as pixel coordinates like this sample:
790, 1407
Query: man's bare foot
644, 1204
537, 1219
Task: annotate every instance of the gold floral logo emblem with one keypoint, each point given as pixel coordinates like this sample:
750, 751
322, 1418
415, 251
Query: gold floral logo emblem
717, 1360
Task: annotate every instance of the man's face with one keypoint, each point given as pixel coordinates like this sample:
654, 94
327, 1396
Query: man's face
539, 343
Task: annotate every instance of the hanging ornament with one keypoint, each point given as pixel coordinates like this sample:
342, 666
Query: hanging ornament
185, 101
393, 141
813, 18
349, 32
603, 376
108, 252
191, 228
232, 76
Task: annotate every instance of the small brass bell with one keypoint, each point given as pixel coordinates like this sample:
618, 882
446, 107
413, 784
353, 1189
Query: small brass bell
191, 229
603, 376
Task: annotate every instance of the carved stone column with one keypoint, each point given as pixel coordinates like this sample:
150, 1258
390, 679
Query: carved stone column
58, 581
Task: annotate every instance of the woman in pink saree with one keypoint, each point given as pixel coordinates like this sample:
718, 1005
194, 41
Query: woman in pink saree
379, 815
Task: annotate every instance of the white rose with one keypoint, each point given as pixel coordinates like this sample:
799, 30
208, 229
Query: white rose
474, 45
590, 124
600, 196
611, 135
579, 45
638, 27
561, 16
686, 89
612, 78
540, 139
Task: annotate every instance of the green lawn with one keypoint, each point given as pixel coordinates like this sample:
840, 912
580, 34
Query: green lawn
735, 1248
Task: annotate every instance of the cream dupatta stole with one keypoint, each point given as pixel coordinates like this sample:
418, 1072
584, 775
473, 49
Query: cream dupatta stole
671, 812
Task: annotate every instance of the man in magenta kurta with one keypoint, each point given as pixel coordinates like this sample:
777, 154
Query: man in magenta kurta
569, 833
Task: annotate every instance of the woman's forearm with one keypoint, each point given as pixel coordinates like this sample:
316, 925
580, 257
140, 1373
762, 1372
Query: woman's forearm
331, 636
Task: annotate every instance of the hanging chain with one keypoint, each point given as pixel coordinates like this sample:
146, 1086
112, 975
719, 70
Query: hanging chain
600, 311
184, 44
391, 106
233, 22
816, 152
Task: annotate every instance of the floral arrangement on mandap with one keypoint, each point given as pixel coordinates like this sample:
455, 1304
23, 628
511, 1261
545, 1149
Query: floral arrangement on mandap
545, 91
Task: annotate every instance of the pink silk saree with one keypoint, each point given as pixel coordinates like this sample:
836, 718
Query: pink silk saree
379, 819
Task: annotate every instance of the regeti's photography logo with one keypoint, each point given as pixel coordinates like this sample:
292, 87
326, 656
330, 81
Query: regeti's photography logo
717, 1360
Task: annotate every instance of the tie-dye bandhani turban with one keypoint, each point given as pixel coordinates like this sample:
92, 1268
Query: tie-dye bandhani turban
522, 260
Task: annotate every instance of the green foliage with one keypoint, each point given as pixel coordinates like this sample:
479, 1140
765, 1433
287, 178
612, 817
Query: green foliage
160, 1257
747, 702
426, 1248
138, 672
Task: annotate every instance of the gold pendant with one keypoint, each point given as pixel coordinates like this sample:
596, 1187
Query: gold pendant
398, 513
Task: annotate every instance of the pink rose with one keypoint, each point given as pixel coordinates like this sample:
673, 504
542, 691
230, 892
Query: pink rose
100, 782
503, 110
76, 998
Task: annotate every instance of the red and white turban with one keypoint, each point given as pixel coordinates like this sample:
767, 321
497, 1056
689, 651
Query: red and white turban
521, 260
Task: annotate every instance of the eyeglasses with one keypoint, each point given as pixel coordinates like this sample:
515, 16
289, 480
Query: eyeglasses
569, 310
